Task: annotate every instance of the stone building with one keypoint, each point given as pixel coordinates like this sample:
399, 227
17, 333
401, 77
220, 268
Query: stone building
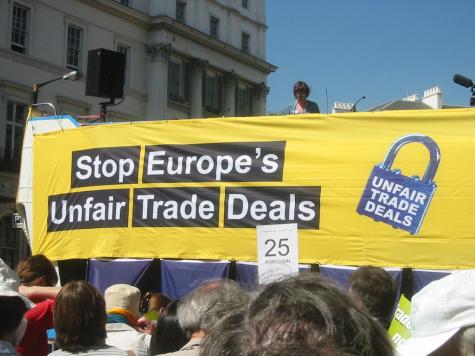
184, 59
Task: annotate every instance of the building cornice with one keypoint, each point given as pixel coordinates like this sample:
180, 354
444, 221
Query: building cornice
24, 59
238, 13
169, 24
15, 86
123, 12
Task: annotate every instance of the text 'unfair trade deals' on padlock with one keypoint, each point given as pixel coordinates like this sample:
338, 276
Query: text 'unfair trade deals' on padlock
398, 200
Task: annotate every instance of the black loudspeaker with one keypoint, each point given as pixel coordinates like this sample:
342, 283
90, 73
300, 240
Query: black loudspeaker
105, 73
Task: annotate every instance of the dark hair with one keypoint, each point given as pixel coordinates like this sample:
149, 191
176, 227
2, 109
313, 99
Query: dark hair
297, 316
301, 86
12, 310
376, 289
38, 266
168, 336
153, 301
79, 317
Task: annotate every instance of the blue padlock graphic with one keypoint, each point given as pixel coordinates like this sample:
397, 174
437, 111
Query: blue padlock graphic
398, 200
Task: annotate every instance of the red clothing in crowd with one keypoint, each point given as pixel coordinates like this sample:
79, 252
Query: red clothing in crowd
40, 319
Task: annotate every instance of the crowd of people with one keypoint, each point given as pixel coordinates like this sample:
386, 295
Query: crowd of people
298, 315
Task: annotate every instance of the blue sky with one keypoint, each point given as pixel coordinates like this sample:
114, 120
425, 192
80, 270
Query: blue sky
384, 49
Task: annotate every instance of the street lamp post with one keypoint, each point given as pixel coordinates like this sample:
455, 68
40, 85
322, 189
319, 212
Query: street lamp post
74, 75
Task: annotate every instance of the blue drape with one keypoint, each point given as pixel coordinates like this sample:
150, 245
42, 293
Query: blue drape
104, 273
180, 277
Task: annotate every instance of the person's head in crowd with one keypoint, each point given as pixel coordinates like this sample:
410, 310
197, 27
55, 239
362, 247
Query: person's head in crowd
79, 317
302, 104
12, 307
443, 318
230, 336
200, 310
374, 289
300, 315
122, 303
301, 91
168, 336
156, 302
37, 270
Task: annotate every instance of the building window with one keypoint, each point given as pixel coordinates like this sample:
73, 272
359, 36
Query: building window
214, 27
245, 40
213, 92
13, 140
125, 50
244, 3
73, 52
19, 28
180, 11
125, 2
178, 80
243, 101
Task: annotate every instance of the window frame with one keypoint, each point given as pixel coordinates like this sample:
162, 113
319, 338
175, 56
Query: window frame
28, 31
183, 4
246, 38
216, 106
183, 90
82, 45
246, 104
128, 60
245, 4
13, 148
213, 20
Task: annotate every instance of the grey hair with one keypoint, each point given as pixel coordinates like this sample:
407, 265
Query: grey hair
467, 341
298, 316
206, 305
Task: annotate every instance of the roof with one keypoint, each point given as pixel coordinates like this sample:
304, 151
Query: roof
401, 105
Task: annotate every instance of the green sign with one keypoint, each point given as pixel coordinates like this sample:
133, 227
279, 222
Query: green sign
400, 328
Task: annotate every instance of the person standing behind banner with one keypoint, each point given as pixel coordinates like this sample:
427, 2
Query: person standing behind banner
302, 104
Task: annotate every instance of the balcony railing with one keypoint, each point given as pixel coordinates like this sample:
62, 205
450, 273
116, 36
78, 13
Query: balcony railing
10, 160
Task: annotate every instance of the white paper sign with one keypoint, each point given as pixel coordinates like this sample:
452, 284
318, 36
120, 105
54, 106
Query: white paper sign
277, 251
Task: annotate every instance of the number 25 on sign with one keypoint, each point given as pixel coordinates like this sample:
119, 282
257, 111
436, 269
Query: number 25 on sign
277, 250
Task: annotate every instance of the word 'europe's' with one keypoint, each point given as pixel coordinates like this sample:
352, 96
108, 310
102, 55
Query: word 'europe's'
213, 162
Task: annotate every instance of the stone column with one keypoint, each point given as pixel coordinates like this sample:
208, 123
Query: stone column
261, 91
230, 81
157, 81
197, 67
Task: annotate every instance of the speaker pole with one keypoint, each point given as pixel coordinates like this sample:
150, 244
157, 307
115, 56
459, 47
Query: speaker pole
103, 105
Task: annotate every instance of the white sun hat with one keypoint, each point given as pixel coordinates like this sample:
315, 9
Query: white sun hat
10, 283
439, 311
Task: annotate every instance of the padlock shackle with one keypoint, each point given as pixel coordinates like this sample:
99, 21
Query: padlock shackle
426, 141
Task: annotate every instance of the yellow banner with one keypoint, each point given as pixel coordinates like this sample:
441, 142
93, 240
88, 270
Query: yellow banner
388, 189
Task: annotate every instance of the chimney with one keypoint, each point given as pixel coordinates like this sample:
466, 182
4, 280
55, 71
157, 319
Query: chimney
412, 98
341, 107
433, 97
